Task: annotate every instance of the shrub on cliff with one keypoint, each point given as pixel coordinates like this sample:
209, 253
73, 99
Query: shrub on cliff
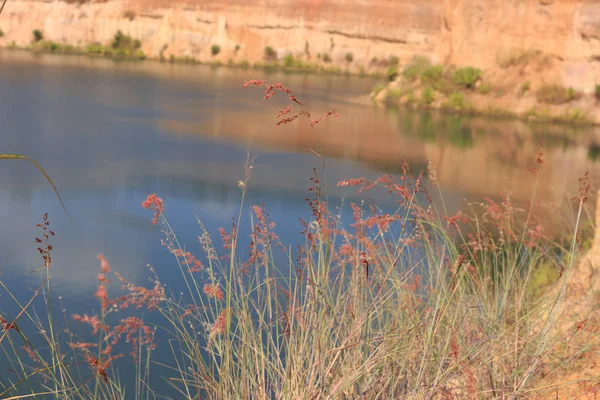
428, 95
125, 43
415, 69
467, 76
1, 33
215, 49
556, 94
270, 53
597, 92
288, 61
37, 35
392, 73
456, 101
349, 57
432, 74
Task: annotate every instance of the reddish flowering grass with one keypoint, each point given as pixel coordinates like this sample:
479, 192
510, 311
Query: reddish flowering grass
46, 247
213, 291
132, 329
194, 265
94, 321
154, 203
220, 323
272, 88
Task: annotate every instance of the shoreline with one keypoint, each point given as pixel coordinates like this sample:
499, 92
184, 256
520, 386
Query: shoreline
298, 67
505, 92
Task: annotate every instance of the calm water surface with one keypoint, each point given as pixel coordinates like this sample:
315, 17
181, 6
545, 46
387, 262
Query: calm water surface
111, 133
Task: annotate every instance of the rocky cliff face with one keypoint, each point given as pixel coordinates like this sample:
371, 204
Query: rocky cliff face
462, 32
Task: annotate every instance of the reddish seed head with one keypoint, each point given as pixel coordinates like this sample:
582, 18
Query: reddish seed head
213, 291
220, 323
104, 265
154, 203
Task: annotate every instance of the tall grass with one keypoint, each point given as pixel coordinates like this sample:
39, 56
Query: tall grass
412, 303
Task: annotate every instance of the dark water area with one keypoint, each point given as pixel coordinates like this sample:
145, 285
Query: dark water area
111, 133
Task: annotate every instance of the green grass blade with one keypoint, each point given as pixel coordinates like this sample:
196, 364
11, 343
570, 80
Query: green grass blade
20, 157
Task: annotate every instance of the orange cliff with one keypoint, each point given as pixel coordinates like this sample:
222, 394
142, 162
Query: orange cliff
461, 32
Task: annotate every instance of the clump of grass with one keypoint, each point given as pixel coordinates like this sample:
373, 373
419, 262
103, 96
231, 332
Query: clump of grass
1, 33
456, 101
326, 58
215, 49
556, 94
485, 88
467, 77
525, 87
37, 35
597, 91
58, 48
288, 61
391, 73
349, 57
122, 46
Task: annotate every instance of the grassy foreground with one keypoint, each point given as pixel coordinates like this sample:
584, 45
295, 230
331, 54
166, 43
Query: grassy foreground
412, 304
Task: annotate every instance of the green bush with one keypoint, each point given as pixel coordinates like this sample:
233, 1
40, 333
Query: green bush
215, 49
288, 61
556, 94
393, 60
432, 74
485, 88
416, 68
467, 76
428, 95
95, 48
1, 33
270, 53
125, 44
597, 91
326, 58
391, 73
349, 57
525, 87
37, 35
444, 85
456, 100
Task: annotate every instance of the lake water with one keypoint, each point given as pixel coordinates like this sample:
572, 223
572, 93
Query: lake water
111, 133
